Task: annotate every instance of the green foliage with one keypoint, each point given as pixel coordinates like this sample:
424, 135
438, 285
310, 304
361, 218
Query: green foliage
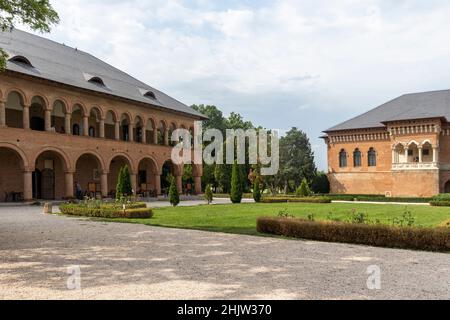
91, 208
295, 200
320, 183
123, 188
208, 194
432, 239
39, 15
256, 191
303, 190
236, 185
174, 196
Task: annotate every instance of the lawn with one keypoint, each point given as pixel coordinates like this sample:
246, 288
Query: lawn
242, 218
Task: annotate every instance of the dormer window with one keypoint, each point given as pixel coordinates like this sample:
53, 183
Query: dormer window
150, 95
21, 60
97, 81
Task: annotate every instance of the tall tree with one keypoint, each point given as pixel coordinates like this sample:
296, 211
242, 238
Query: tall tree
236, 185
39, 15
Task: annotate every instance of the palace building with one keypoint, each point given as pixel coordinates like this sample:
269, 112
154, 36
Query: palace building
69, 121
401, 148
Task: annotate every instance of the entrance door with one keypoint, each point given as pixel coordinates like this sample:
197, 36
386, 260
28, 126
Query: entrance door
48, 184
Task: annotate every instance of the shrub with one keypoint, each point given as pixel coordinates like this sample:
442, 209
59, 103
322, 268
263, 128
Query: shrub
135, 211
256, 191
174, 196
236, 185
435, 203
437, 239
321, 184
295, 199
208, 194
303, 190
123, 188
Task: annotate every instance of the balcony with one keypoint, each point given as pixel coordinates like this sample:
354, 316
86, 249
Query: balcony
415, 166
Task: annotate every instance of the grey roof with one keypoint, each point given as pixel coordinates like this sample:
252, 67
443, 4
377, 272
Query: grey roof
432, 104
63, 64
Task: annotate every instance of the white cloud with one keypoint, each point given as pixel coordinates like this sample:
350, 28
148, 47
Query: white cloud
285, 63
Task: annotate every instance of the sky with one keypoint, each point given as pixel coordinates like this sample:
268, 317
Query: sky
281, 64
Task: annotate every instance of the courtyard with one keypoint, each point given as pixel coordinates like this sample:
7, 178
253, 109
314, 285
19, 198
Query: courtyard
135, 261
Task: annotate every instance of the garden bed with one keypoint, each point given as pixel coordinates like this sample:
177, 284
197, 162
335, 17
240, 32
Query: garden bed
430, 239
108, 210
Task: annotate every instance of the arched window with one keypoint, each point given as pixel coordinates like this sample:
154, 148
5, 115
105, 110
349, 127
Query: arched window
76, 130
150, 95
372, 157
98, 81
21, 60
342, 159
92, 132
357, 158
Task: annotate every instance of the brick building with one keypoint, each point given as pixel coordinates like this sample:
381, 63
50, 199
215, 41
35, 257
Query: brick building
68, 118
401, 148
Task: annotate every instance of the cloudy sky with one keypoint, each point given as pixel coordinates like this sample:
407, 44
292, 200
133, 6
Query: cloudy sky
309, 64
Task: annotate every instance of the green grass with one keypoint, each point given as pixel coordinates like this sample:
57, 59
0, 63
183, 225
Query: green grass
241, 218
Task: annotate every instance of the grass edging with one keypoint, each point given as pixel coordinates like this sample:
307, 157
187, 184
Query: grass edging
429, 239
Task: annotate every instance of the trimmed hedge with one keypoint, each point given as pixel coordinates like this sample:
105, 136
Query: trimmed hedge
437, 239
293, 200
133, 211
438, 203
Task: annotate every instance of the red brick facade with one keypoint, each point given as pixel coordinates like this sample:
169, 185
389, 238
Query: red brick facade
81, 136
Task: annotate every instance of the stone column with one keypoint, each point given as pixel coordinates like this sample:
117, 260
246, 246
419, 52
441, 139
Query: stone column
102, 128
2, 114
130, 132
406, 155
48, 120
67, 123
157, 178
117, 130
133, 178
420, 155
435, 154
69, 185
166, 137
198, 185
26, 117
155, 136
143, 135
394, 156
85, 126
104, 184
179, 180
28, 185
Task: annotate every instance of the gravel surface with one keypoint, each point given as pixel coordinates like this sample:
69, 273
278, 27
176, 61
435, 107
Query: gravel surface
125, 261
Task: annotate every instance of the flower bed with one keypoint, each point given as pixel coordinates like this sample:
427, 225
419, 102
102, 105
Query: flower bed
108, 210
431, 239
295, 199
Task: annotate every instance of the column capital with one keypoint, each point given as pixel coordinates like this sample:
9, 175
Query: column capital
69, 171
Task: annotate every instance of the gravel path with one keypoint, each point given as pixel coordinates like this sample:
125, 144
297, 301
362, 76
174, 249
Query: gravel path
125, 261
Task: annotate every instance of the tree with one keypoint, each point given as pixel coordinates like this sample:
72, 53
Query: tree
236, 185
174, 196
320, 183
208, 194
39, 15
123, 188
256, 191
303, 190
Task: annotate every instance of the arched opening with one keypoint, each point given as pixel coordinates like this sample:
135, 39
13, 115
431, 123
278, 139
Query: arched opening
14, 110
147, 175
447, 187
97, 81
427, 152
59, 116
11, 181
357, 161
125, 127
372, 157
21, 60
138, 130
37, 116
168, 172
342, 159
161, 131
87, 176
172, 128
150, 131
114, 168
94, 123
413, 153
110, 122
188, 179
77, 120
49, 177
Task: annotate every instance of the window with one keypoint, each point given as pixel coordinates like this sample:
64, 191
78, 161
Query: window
21, 60
92, 132
426, 152
410, 153
342, 159
150, 95
139, 134
97, 81
372, 156
76, 130
357, 158
125, 136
